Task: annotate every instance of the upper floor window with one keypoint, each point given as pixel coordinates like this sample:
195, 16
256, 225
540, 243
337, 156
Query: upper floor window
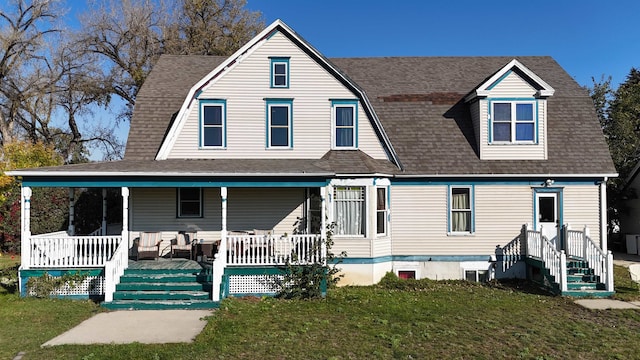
189, 202
279, 124
212, 123
461, 209
279, 72
513, 121
349, 210
345, 124
381, 211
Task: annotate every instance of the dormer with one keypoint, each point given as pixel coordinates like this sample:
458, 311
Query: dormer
509, 113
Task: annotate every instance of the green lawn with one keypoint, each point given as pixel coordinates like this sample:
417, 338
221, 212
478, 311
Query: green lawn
400, 320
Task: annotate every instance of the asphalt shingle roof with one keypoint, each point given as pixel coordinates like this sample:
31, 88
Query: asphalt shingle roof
419, 101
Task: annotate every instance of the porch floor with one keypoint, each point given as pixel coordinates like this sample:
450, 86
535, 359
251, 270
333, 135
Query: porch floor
165, 264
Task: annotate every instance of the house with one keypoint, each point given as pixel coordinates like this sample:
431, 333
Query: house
429, 167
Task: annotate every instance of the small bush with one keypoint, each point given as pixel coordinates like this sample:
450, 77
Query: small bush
9, 278
45, 285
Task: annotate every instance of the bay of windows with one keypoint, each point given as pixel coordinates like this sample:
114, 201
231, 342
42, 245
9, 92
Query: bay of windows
349, 210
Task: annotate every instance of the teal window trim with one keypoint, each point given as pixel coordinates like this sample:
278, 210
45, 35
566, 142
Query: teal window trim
275, 66
472, 209
384, 211
201, 126
269, 103
559, 194
335, 103
536, 120
180, 201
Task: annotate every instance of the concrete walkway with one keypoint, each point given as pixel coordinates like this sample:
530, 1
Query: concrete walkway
143, 326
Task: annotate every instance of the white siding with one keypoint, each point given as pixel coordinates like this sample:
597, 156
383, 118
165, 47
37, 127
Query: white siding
154, 209
245, 88
511, 87
420, 217
264, 209
582, 207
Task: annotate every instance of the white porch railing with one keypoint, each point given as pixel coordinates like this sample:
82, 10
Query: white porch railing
579, 244
59, 250
114, 268
539, 247
274, 249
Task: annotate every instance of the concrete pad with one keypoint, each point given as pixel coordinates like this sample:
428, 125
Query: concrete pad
604, 304
143, 326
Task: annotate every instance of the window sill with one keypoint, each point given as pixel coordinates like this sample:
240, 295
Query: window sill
279, 148
519, 143
344, 148
461, 234
212, 148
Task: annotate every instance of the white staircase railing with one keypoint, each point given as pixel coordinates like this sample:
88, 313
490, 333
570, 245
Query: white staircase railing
114, 268
579, 244
539, 247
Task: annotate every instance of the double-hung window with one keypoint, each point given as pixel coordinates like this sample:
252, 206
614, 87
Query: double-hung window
345, 124
349, 210
381, 211
212, 123
279, 123
513, 121
279, 72
189, 202
461, 209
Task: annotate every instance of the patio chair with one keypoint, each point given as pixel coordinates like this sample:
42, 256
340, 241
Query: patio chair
184, 242
149, 245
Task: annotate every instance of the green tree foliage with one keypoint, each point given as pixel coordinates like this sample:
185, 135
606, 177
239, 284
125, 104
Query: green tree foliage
619, 114
49, 205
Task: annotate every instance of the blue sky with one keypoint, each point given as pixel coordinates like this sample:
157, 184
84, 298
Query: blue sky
588, 38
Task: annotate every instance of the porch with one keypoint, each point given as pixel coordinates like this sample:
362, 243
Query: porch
244, 264
570, 265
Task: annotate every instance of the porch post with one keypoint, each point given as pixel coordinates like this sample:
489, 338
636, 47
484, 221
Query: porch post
72, 205
125, 217
103, 230
585, 240
220, 259
603, 215
25, 243
323, 222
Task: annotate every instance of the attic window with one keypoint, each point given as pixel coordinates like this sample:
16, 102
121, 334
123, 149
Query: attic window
279, 72
513, 121
212, 123
345, 124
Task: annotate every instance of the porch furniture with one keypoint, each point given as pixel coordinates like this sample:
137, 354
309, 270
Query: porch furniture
184, 242
149, 245
206, 250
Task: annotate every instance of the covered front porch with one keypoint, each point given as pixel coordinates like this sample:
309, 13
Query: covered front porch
243, 249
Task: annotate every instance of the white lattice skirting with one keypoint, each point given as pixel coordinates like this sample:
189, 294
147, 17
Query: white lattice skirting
92, 285
252, 284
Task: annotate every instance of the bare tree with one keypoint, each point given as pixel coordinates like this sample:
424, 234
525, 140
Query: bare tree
130, 35
24, 29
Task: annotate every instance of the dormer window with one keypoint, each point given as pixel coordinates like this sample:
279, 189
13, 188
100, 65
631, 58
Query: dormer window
513, 121
279, 72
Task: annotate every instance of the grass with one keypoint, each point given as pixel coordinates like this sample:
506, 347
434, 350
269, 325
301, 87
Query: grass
626, 289
393, 320
409, 320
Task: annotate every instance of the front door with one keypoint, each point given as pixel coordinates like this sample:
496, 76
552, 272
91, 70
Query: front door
547, 216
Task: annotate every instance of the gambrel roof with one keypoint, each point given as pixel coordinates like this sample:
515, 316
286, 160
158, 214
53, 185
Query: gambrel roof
417, 104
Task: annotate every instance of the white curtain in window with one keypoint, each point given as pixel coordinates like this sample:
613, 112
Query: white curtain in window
460, 220
349, 206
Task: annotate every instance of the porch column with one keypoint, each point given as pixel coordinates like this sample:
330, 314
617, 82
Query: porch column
323, 221
103, 230
220, 259
25, 221
125, 216
72, 205
603, 215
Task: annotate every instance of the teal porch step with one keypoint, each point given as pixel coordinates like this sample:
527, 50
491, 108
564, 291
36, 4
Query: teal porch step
588, 293
163, 285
